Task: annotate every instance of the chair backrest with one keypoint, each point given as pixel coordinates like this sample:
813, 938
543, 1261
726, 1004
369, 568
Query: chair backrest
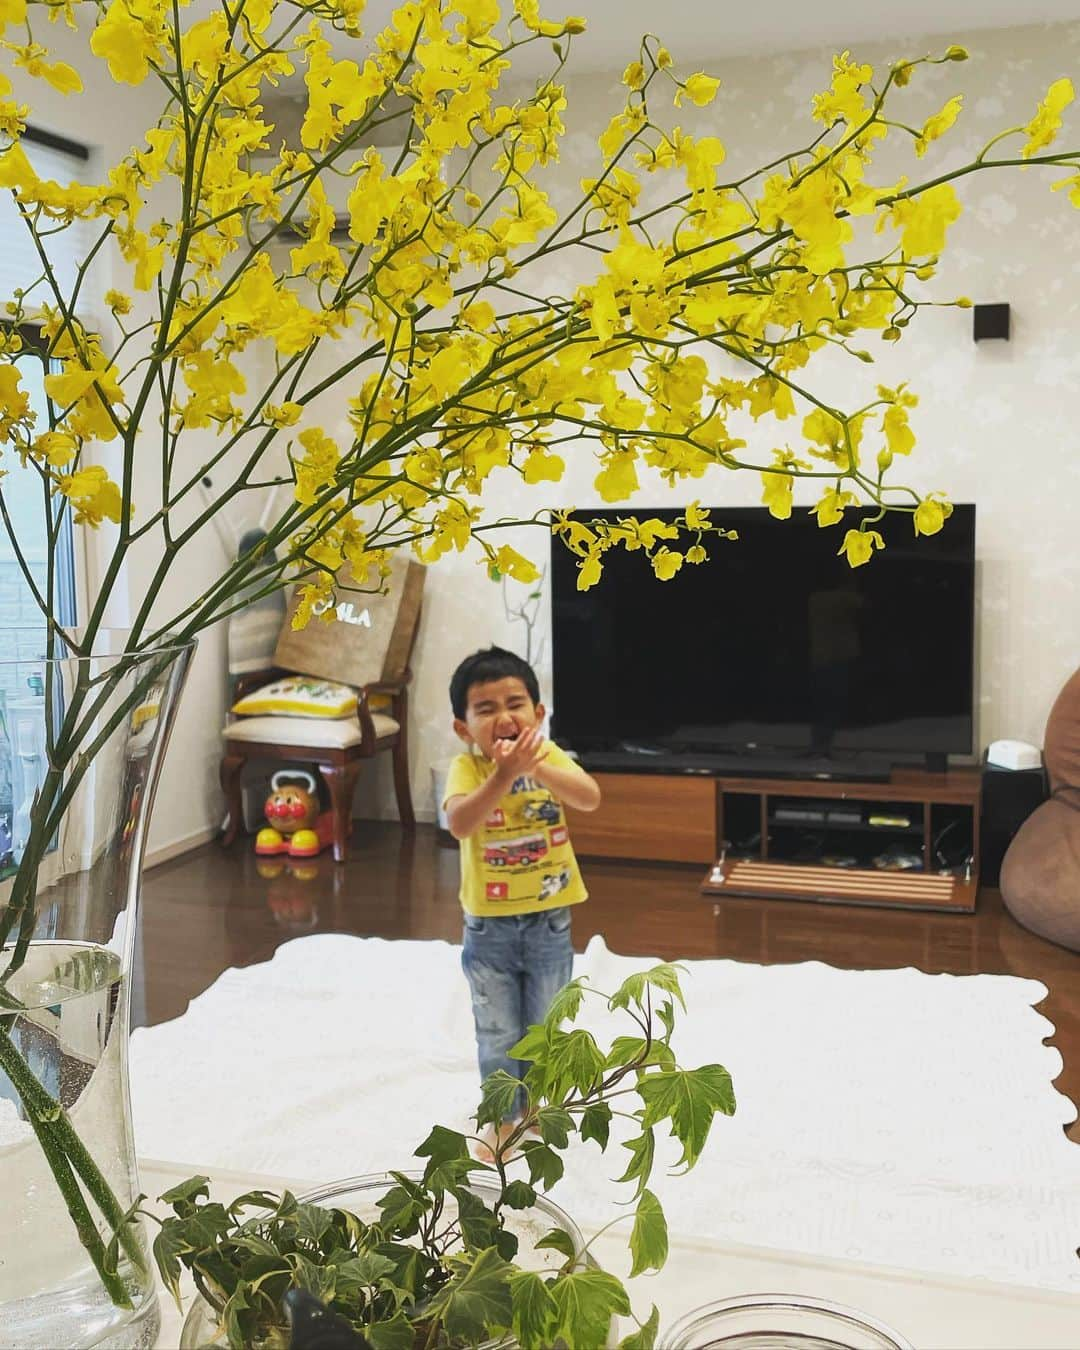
370, 638
406, 625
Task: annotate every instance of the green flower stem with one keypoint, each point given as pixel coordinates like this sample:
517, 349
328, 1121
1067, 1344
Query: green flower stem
71, 1148
45, 1117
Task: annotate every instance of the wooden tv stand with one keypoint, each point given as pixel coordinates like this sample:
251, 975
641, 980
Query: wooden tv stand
786, 838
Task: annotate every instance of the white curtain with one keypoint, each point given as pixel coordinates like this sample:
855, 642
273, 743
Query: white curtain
20, 265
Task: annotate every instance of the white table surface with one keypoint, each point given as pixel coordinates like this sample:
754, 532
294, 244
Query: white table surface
933, 1312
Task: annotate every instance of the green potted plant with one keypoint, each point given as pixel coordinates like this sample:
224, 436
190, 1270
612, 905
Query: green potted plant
466, 1253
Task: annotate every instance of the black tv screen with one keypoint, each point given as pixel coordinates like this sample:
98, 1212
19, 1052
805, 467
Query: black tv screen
774, 643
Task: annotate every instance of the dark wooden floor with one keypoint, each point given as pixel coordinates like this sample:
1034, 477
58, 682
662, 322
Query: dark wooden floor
216, 908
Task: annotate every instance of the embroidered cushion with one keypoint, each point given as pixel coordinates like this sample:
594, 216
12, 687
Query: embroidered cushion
299, 696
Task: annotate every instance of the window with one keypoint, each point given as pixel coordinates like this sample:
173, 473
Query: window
22, 627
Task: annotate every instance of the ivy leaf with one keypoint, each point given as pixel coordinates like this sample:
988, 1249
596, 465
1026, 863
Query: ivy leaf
233, 1319
666, 1014
168, 1246
411, 1267
256, 1245
205, 1227
367, 1269
533, 1046
506, 1244
624, 1050
498, 1093
596, 1123
581, 1060
566, 1004
545, 1165
534, 1310
312, 1223
518, 1195
689, 1098
664, 977
649, 1236
400, 1211
281, 1206
186, 1196
476, 1299
645, 1336
396, 1334
443, 1145
642, 1150
448, 1157
317, 1279
628, 1049
555, 1125
558, 1240
478, 1224
586, 1301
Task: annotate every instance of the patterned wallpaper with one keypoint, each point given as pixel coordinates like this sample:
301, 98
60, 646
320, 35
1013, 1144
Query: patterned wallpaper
995, 423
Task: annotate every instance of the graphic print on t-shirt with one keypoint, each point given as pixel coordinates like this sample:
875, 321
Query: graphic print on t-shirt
526, 852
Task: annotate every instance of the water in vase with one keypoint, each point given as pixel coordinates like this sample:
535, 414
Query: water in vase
71, 1029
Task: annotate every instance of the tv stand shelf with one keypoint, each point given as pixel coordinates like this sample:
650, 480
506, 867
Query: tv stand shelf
692, 818
840, 886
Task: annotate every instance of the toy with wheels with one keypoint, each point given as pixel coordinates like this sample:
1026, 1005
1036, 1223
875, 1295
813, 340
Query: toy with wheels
296, 825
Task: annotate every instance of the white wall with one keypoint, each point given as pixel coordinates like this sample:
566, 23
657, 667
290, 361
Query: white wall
996, 423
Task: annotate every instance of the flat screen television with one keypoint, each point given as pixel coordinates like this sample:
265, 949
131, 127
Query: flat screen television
773, 645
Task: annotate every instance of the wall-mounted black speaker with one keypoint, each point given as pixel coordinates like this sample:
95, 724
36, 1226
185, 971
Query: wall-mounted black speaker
1008, 797
991, 321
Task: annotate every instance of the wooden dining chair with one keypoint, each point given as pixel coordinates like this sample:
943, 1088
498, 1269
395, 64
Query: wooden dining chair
338, 746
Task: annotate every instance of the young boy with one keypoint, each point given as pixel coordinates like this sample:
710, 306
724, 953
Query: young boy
519, 875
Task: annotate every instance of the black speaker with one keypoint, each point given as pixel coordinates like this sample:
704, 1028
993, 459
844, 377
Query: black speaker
1008, 797
991, 321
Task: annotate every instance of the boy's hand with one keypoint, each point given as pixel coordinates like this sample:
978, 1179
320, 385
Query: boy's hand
513, 759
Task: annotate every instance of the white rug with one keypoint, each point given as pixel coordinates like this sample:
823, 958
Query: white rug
886, 1116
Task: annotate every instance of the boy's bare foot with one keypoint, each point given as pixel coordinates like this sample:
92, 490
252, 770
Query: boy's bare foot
483, 1149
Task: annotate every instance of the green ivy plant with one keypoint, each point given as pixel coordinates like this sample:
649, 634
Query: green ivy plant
438, 1267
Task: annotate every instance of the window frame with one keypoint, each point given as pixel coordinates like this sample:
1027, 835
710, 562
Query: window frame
68, 598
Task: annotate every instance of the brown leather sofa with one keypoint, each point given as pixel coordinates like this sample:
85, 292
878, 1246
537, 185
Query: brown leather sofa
1040, 876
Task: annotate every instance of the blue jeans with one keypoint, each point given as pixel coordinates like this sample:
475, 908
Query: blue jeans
515, 965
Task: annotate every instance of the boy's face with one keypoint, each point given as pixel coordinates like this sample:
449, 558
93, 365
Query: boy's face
497, 710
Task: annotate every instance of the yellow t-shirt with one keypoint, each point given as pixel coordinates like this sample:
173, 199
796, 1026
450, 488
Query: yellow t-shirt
521, 859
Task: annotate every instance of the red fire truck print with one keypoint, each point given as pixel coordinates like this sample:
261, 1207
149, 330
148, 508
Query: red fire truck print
515, 852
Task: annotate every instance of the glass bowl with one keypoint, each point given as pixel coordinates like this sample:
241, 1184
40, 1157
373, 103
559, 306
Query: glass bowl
780, 1322
360, 1196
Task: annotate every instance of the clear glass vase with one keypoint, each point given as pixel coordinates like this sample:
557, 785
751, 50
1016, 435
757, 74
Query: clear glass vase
82, 735
361, 1195
779, 1322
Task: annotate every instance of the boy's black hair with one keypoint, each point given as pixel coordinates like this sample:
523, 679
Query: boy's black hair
491, 663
